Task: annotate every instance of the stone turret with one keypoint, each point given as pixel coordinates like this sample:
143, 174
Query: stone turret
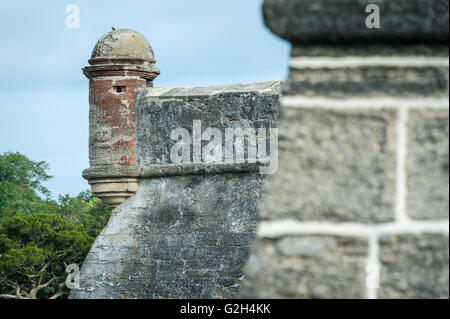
122, 62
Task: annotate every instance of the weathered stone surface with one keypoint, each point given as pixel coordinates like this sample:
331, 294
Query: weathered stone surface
122, 63
112, 121
334, 165
370, 49
414, 266
162, 110
179, 236
199, 169
111, 171
188, 230
428, 164
368, 70
344, 21
368, 81
123, 44
309, 266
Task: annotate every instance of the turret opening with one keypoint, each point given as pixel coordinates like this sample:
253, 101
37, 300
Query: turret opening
120, 89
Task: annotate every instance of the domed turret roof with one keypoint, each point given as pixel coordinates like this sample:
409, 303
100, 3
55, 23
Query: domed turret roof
123, 44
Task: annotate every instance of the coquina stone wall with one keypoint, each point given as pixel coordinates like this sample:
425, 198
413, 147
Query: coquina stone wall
185, 200
359, 205
187, 231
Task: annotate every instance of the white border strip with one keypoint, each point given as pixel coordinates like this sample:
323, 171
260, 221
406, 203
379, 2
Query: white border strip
373, 266
361, 103
401, 182
323, 62
291, 227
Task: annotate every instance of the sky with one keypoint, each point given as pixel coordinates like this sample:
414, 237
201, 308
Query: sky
44, 95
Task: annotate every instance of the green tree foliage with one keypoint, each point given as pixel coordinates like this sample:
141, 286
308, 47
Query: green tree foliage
85, 209
35, 250
40, 236
21, 184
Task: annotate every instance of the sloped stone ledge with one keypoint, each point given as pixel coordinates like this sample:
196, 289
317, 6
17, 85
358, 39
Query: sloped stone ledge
94, 173
320, 21
113, 185
262, 88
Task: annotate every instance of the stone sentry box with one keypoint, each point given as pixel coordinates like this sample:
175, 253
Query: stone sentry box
187, 230
122, 62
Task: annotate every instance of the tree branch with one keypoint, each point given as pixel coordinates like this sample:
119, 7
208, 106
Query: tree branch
59, 293
34, 291
14, 285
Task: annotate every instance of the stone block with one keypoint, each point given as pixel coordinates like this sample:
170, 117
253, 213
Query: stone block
333, 21
414, 266
334, 166
309, 266
428, 164
369, 81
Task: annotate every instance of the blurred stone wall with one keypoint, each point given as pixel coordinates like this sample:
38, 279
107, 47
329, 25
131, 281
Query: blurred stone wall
359, 205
